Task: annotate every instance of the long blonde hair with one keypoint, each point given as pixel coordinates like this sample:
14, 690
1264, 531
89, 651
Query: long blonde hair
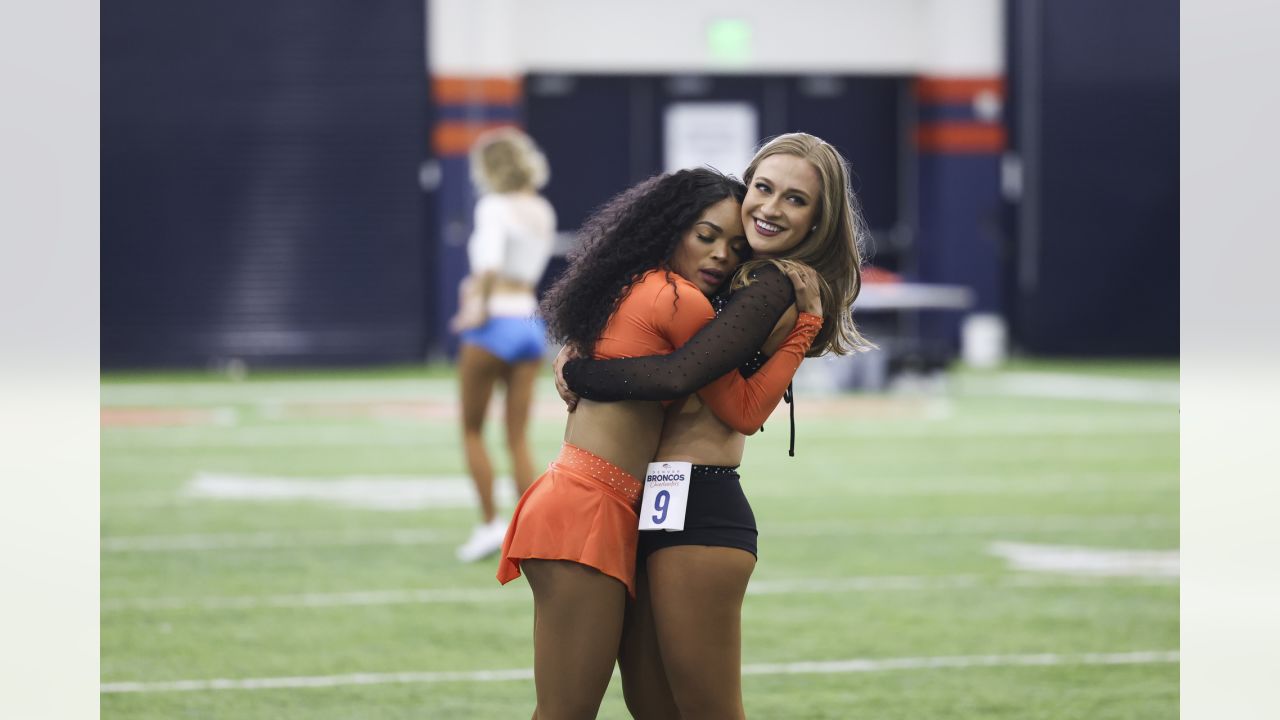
506, 160
833, 248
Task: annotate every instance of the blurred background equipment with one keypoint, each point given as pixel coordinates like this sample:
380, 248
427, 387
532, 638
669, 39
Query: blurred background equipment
287, 184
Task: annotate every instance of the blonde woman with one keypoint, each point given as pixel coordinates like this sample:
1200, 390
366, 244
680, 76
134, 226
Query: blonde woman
501, 337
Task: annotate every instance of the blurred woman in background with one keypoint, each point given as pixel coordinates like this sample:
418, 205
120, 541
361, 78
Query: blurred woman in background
501, 337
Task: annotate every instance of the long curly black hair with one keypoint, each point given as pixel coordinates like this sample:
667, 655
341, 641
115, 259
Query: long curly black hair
634, 232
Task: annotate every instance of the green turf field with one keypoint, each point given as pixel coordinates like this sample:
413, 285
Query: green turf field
293, 536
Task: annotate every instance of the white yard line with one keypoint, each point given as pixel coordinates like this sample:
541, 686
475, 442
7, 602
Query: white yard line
1072, 387
423, 498
169, 394
411, 492
420, 536
877, 583
268, 436
357, 598
411, 433
1095, 561
1140, 657
388, 493
960, 487
791, 586
856, 665
973, 524
414, 433
269, 540
1028, 427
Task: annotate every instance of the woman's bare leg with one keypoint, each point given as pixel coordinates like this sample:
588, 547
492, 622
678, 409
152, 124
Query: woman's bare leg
520, 378
644, 679
478, 371
697, 594
577, 624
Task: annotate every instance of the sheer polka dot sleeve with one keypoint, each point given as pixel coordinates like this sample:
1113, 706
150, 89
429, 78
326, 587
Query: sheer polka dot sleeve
745, 403
705, 352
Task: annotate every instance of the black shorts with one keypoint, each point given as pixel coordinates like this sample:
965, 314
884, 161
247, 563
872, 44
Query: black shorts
718, 514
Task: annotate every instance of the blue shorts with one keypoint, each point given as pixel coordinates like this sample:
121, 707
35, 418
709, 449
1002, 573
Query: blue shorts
513, 339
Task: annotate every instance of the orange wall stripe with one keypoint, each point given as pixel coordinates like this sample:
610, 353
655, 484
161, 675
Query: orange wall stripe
456, 138
476, 90
960, 138
952, 90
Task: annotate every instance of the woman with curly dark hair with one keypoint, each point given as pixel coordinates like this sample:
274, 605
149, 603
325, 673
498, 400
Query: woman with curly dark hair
637, 286
681, 653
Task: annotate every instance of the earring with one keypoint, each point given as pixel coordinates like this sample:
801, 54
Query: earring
815, 227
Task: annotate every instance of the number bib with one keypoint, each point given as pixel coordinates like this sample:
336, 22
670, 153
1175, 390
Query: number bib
666, 493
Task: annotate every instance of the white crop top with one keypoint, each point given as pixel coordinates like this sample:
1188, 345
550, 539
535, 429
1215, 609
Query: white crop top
513, 236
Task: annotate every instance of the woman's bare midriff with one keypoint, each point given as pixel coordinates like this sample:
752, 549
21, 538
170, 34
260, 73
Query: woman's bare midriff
692, 433
503, 285
633, 434
624, 433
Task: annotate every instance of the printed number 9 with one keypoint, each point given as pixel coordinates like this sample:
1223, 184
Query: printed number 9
660, 503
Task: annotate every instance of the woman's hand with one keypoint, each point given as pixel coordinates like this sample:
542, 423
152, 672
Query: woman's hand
808, 288
467, 318
570, 398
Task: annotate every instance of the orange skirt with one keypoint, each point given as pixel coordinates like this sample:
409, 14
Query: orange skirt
582, 509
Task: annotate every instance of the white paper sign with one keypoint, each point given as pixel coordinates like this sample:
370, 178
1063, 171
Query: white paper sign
666, 493
719, 134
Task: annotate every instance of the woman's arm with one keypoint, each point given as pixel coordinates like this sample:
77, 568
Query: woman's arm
485, 251
705, 349
745, 403
741, 403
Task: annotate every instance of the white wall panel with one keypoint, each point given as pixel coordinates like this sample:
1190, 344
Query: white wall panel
498, 37
965, 38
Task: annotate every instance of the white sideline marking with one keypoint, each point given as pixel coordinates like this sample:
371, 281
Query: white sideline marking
418, 536
962, 661
1087, 560
411, 434
269, 436
1075, 387
970, 485
167, 394
1028, 427
357, 598
304, 600
371, 492
973, 524
857, 665
267, 540
918, 582
410, 492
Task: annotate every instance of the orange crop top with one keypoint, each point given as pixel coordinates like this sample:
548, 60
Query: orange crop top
667, 316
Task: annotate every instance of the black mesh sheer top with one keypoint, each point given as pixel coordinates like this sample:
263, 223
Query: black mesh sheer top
730, 341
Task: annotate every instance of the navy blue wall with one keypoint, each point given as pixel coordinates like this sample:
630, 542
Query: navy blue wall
603, 133
260, 193
1094, 115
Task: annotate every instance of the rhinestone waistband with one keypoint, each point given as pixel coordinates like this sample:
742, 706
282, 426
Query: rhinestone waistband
713, 470
597, 469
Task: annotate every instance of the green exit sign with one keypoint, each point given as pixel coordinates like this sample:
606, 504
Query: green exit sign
729, 41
